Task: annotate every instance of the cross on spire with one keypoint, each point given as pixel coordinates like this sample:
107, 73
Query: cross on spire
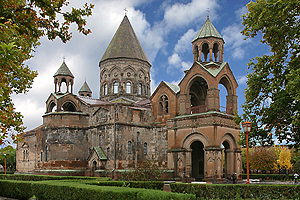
64, 58
207, 10
125, 11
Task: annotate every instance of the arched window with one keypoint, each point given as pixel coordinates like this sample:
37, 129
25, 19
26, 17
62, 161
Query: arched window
164, 105
145, 148
129, 147
41, 156
105, 88
140, 89
138, 137
68, 106
108, 153
47, 152
128, 87
116, 87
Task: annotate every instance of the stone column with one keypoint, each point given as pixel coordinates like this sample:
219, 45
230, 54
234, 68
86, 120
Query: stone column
213, 99
188, 163
210, 54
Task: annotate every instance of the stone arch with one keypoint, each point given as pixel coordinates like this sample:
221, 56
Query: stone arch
197, 89
129, 69
229, 145
69, 106
205, 50
163, 104
115, 71
226, 81
51, 106
216, 50
188, 140
141, 73
230, 104
103, 71
104, 90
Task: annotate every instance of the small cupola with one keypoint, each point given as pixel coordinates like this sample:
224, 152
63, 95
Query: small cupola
85, 90
63, 75
209, 43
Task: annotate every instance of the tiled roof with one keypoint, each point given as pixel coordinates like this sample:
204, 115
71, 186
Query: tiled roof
91, 101
100, 153
207, 30
174, 88
85, 88
125, 44
63, 70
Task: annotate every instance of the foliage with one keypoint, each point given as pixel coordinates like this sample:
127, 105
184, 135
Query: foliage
10, 155
25, 177
238, 191
263, 158
15, 189
284, 160
146, 171
272, 94
156, 185
296, 166
279, 177
295, 155
244, 157
22, 24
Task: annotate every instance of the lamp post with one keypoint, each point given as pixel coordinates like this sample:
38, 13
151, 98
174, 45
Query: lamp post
4, 162
247, 128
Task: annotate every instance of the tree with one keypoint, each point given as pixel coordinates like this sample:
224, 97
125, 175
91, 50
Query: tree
284, 160
10, 155
22, 24
263, 158
272, 96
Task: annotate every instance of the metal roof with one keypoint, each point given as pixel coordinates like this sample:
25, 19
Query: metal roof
207, 30
85, 88
125, 44
174, 88
63, 70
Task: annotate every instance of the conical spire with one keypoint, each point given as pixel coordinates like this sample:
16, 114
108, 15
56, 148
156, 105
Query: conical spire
125, 44
85, 88
63, 70
207, 30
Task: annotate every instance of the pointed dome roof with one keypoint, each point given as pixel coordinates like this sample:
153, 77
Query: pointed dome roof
207, 30
85, 88
125, 44
63, 70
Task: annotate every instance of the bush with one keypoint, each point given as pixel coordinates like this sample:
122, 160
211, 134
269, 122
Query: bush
238, 191
156, 185
63, 190
24, 177
280, 177
15, 189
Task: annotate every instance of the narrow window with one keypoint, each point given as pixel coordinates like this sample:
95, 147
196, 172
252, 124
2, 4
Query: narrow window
24, 155
145, 148
128, 87
147, 90
140, 89
27, 153
100, 140
41, 156
108, 153
164, 105
129, 147
138, 137
47, 156
116, 87
105, 89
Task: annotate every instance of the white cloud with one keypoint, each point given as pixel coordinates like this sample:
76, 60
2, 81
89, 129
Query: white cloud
241, 11
242, 80
184, 43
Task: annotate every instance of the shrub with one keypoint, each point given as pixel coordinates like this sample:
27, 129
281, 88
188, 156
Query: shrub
280, 177
156, 185
63, 190
15, 189
238, 191
146, 171
25, 177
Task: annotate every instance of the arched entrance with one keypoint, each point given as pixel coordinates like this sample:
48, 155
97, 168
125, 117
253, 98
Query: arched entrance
197, 160
226, 163
94, 167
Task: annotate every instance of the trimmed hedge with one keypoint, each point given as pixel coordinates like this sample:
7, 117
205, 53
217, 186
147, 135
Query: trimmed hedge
25, 177
238, 191
63, 190
16, 189
280, 177
156, 185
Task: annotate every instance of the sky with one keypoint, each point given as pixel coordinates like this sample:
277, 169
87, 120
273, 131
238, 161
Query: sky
165, 29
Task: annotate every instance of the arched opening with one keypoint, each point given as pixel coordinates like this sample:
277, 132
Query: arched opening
163, 105
140, 89
116, 87
197, 160
198, 92
94, 167
145, 148
68, 106
108, 153
128, 87
226, 147
64, 87
47, 154
216, 51
226, 105
52, 107
129, 147
105, 89
205, 51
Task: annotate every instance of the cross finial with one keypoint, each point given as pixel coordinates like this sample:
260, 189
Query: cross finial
64, 58
207, 10
125, 11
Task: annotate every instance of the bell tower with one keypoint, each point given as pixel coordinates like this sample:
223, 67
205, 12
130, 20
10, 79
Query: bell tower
63, 75
208, 44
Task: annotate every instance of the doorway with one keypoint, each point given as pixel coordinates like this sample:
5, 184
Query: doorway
197, 160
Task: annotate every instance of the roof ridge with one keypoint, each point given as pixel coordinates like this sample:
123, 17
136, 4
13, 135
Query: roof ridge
207, 30
63, 70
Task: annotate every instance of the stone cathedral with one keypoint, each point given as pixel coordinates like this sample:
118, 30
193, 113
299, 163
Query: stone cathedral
181, 127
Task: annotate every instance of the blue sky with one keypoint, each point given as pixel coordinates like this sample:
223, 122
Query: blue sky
165, 30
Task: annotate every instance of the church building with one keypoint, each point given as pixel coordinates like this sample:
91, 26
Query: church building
182, 128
